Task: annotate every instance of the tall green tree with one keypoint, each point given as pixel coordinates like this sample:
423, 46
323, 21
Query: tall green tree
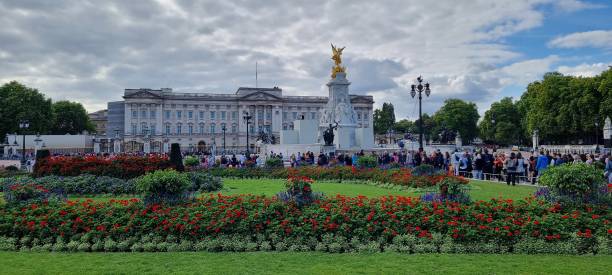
502, 123
70, 118
404, 126
565, 109
17, 103
384, 119
458, 116
429, 128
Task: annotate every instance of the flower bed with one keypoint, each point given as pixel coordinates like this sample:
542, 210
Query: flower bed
125, 167
400, 176
340, 224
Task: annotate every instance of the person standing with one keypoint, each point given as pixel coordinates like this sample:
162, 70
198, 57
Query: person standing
478, 166
609, 168
541, 165
521, 167
511, 164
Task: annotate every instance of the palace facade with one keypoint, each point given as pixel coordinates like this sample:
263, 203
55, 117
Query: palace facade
201, 121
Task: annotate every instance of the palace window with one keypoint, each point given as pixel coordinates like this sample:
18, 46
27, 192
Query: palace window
212, 115
313, 115
179, 128
152, 129
294, 115
201, 115
190, 129
212, 128
179, 114
269, 115
143, 128
134, 114
190, 114
234, 115
201, 128
143, 113
167, 114
358, 116
167, 128
222, 115
134, 129
285, 116
234, 128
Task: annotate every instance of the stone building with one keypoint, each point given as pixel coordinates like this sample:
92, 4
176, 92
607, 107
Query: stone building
99, 120
154, 118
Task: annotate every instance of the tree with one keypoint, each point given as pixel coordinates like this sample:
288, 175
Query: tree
17, 103
429, 125
458, 116
405, 126
70, 118
564, 109
384, 119
506, 129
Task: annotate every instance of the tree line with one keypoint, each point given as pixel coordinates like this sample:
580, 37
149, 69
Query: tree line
563, 109
21, 103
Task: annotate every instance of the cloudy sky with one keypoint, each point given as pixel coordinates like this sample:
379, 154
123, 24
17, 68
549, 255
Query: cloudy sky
481, 51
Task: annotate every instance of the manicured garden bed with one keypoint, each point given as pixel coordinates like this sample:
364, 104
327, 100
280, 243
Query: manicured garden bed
340, 224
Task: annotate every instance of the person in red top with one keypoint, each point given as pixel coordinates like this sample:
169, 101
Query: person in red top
498, 166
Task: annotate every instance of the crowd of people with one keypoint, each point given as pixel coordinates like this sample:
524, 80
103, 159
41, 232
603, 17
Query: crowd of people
511, 167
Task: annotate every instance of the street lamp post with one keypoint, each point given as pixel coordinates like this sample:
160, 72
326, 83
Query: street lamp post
596, 135
23, 125
420, 88
223, 129
494, 130
248, 118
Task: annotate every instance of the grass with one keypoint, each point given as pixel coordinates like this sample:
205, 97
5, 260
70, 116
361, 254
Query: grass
480, 190
298, 263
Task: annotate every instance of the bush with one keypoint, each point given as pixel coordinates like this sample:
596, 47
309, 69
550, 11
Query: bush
167, 186
176, 158
338, 224
204, 182
82, 185
125, 167
424, 170
367, 162
23, 190
11, 168
192, 161
299, 191
575, 183
274, 163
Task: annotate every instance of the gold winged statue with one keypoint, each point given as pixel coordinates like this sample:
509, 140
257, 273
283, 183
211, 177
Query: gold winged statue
337, 57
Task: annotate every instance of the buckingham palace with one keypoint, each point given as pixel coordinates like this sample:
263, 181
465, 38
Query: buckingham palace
150, 119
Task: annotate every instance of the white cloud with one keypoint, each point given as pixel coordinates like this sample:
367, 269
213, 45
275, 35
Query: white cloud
91, 51
596, 39
585, 70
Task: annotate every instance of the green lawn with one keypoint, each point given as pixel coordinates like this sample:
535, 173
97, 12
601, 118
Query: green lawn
480, 190
298, 263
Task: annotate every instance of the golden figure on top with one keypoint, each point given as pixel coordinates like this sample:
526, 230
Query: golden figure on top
337, 57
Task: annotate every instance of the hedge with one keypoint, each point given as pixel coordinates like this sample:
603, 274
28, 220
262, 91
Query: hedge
338, 224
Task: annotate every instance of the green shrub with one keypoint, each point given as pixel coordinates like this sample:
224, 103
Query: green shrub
424, 170
167, 186
204, 182
367, 162
192, 161
176, 158
274, 163
575, 183
11, 168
